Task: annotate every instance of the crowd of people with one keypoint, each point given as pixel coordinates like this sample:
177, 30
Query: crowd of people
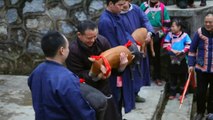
70, 93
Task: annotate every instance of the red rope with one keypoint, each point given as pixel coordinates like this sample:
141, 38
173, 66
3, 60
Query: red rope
82, 80
129, 43
138, 43
106, 63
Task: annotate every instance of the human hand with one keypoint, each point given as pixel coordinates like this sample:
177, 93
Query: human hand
123, 61
191, 69
123, 58
176, 52
148, 38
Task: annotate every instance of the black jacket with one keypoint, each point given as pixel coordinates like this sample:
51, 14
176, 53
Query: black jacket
79, 63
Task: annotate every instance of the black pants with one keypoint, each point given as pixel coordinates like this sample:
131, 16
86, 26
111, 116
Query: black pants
177, 83
156, 61
103, 104
178, 77
203, 80
120, 101
96, 99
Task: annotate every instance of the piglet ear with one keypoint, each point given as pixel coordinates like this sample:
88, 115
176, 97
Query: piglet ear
91, 59
103, 69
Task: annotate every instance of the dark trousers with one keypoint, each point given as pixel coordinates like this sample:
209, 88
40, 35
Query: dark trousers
96, 99
103, 104
177, 83
203, 81
178, 77
120, 101
156, 61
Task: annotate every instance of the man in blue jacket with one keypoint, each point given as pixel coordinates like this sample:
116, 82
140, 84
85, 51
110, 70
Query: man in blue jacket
201, 60
111, 26
134, 18
55, 90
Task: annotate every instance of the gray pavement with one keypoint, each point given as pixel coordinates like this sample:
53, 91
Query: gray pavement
148, 110
15, 102
172, 111
15, 98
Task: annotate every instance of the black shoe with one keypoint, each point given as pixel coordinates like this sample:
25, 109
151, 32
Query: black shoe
199, 116
203, 3
139, 99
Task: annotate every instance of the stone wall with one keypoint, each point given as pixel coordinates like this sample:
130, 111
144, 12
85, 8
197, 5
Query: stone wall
193, 17
23, 23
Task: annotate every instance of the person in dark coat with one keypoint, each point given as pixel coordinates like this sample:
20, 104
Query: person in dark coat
134, 18
112, 27
56, 90
89, 43
200, 59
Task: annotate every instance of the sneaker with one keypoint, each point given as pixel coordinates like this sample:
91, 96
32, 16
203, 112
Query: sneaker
158, 82
139, 99
171, 97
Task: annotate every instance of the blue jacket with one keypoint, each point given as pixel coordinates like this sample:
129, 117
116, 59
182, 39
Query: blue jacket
136, 18
111, 26
133, 19
56, 94
201, 51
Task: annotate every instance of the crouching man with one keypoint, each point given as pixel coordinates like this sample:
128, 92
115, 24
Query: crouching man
89, 43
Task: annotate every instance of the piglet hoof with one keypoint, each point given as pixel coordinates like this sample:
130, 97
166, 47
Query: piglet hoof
123, 58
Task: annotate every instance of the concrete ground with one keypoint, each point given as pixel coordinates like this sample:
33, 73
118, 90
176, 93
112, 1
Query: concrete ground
15, 98
173, 112
15, 102
158, 107
148, 110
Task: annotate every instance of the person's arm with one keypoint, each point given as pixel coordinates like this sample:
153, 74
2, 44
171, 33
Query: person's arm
166, 20
167, 43
187, 44
68, 90
75, 64
143, 6
192, 52
145, 21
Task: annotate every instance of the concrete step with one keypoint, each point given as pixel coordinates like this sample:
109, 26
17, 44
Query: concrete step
152, 108
172, 111
154, 96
